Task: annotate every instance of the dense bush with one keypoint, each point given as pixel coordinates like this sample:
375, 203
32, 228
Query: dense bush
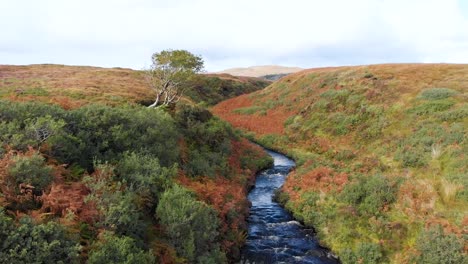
213, 89
119, 207
370, 194
366, 253
120, 250
210, 141
412, 156
143, 175
435, 247
117, 164
32, 243
415, 150
432, 107
10, 111
20, 133
436, 93
104, 133
30, 170
93, 132
191, 226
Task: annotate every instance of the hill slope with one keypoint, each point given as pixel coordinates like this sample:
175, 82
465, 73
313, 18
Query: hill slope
259, 71
72, 86
103, 179
381, 152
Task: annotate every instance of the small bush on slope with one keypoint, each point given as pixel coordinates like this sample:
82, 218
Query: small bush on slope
191, 226
120, 250
31, 170
435, 247
27, 242
436, 93
370, 194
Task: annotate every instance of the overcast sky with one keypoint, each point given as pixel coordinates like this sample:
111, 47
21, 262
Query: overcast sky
234, 33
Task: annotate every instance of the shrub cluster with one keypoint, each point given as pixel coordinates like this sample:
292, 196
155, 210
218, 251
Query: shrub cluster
370, 194
130, 156
436, 93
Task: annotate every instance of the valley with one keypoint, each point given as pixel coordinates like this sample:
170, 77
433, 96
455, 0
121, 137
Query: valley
380, 174
380, 152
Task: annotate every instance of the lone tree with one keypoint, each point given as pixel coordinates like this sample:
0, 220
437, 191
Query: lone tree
169, 74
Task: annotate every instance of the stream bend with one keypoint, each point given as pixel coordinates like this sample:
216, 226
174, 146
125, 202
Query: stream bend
273, 235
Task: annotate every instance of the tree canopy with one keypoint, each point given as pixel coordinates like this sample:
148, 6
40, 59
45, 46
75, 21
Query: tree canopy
169, 74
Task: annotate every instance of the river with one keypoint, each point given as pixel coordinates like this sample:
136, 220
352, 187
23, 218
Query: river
274, 236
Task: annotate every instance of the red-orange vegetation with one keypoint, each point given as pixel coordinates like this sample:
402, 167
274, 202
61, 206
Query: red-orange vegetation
321, 179
69, 198
165, 254
59, 199
228, 195
12, 193
243, 148
417, 198
225, 196
269, 123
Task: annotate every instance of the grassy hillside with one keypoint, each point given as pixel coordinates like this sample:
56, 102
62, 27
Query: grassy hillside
74, 86
381, 151
87, 176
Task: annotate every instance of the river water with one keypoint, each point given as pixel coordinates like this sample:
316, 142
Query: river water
274, 236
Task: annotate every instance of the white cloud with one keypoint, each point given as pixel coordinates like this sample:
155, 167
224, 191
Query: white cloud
230, 33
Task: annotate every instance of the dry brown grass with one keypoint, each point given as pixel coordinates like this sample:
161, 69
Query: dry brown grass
74, 86
389, 84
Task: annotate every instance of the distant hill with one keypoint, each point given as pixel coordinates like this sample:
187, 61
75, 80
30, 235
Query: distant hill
260, 71
73, 86
381, 155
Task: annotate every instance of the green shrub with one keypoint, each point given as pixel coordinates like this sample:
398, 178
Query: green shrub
143, 175
366, 253
341, 123
454, 115
435, 247
92, 132
368, 75
413, 158
33, 132
336, 96
436, 93
113, 249
31, 243
432, 107
10, 111
211, 89
415, 150
31, 170
321, 105
370, 194
105, 133
121, 209
191, 226
208, 140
